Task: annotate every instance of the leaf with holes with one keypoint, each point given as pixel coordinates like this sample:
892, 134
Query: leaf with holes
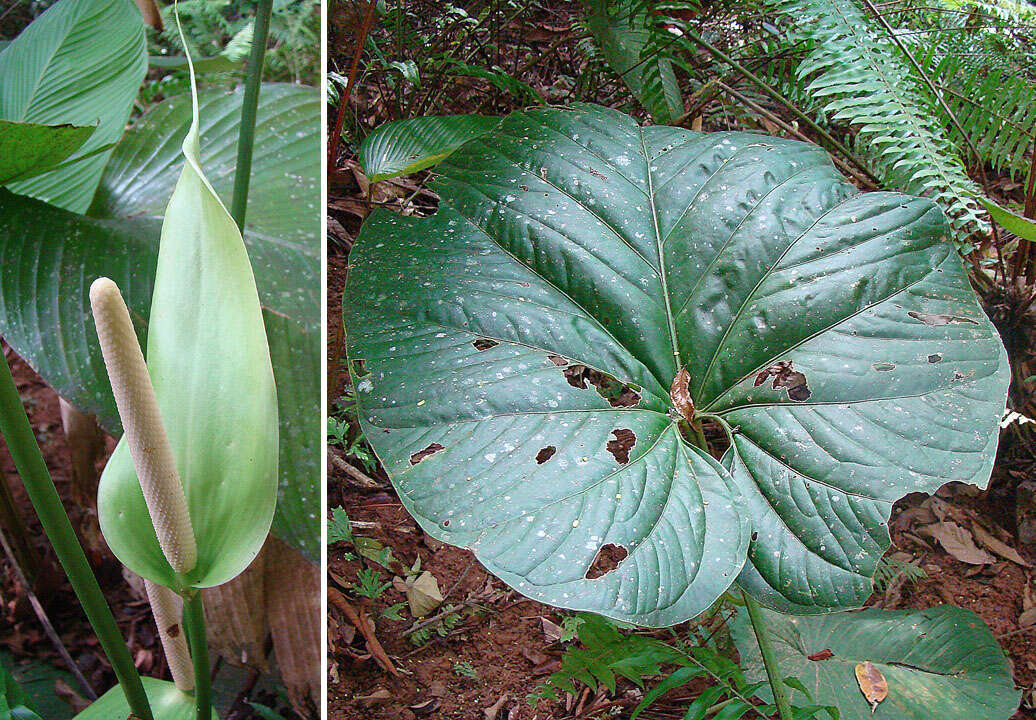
521, 351
942, 662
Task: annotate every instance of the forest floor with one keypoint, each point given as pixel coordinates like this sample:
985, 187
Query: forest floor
24, 645
486, 647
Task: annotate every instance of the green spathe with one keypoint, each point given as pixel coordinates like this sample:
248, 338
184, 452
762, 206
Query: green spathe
208, 358
167, 703
833, 334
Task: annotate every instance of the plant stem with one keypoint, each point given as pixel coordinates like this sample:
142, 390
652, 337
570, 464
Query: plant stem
25, 452
194, 622
249, 106
762, 636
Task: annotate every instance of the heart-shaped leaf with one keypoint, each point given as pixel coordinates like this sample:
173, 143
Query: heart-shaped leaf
52, 256
31, 149
167, 703
80, 62
832, 334
942, 662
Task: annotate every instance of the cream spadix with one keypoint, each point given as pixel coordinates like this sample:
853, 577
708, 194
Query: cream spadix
144, 433
209, 363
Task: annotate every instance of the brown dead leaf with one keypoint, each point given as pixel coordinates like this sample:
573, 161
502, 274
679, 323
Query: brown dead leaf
492, 711
552, 630
999, 547
381, 695
959, 543
872, 683
422, 593
1027, 618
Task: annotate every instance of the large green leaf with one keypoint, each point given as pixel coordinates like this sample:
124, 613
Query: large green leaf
51, 257
942, 662
406, 146
622, 32
80, 62
575, 237
31, 149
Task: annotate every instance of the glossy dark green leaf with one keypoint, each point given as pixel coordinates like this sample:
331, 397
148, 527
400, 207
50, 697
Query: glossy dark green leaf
942, 662
403, 147
53, 256
80, 62
574, 237
31, 149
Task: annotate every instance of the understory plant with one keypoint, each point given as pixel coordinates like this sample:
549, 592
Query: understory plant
638, 369
211, 428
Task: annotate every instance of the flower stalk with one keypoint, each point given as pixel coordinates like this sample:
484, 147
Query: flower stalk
167, 607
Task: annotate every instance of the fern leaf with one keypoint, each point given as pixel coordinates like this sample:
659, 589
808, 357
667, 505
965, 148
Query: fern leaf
861, 79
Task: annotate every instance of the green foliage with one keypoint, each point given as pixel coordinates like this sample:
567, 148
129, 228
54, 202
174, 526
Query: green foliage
861, 78
996, 106
624, 31
742, 262
224, 28
889, 568
466, 670
606, 654
339, 529
369, 585
941, 662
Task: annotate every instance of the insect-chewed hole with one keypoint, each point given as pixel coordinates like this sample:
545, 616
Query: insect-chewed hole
422, 454
482, 344
787, 378
358, 368
620, 447
617, 393
545, 454
935, 357
173, 630
937, 319
607, 559
558, 360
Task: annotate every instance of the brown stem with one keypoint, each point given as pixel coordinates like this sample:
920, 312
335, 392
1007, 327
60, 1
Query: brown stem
343, 100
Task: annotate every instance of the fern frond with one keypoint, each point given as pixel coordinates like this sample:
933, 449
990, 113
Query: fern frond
860, 78
607, 653
996, 109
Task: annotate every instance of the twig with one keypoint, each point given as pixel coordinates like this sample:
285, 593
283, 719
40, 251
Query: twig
358, 619
343, 100
359, 477
41, 615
